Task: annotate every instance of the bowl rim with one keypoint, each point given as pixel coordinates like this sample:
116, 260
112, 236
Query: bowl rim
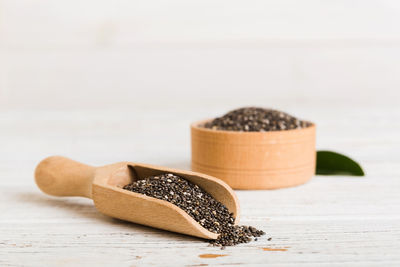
196, 125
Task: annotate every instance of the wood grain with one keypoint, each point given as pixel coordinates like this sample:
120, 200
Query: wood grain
255, 160
330, 221
60, 176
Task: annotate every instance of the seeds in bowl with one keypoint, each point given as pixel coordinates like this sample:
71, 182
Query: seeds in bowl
255, 119
201, 206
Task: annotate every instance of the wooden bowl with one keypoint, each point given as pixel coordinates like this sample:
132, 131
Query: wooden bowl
255, 160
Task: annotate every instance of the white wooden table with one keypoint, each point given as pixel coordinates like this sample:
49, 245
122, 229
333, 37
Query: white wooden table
339, 221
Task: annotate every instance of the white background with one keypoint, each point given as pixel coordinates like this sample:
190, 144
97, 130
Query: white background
113, 54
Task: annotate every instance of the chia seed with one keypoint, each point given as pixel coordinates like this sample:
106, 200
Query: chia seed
201, 206
254, 119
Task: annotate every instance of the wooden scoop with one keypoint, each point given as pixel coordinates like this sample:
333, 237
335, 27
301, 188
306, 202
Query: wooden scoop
59, 176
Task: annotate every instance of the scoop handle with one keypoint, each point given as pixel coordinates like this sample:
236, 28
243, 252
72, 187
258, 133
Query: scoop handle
60, 176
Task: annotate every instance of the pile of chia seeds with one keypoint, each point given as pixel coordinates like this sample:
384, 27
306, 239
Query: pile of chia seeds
200, 205
253, 119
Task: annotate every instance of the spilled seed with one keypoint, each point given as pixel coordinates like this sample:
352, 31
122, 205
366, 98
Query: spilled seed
201, 206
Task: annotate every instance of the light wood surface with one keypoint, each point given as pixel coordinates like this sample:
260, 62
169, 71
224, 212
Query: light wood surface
108, 81
255, 160
329, 221
60, 176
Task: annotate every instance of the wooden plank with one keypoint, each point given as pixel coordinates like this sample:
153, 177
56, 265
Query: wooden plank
331, 221
149, 76
98, 23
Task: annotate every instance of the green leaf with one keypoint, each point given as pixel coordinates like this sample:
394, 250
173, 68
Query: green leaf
332, 163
